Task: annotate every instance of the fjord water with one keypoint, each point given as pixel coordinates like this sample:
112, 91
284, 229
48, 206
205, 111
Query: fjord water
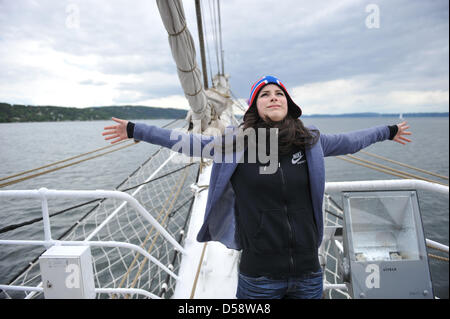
26, 146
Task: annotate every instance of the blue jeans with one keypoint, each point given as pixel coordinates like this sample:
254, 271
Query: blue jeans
309, 286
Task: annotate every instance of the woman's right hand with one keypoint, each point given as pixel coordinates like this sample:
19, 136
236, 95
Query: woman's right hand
119, 132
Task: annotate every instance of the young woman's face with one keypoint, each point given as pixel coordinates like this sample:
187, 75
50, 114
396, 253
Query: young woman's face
272, 103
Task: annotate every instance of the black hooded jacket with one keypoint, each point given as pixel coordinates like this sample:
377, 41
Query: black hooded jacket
275, 218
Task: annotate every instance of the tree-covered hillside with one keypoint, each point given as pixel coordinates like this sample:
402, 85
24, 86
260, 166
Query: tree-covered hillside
28, 113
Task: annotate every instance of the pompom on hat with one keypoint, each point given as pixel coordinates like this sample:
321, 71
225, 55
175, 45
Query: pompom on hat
293, 108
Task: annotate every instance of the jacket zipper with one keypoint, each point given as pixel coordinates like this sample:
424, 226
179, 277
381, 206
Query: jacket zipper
291, 258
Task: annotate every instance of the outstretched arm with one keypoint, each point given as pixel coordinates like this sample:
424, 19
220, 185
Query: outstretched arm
189, 144
352, 142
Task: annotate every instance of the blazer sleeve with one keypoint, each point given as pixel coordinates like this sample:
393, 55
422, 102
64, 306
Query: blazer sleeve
192, 145
352, 142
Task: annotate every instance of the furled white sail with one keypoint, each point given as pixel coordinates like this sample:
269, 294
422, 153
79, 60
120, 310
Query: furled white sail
206, 106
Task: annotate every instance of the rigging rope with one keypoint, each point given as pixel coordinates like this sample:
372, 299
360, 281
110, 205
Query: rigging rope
385, 169
239, 104
438, 257
179, 185
66, 160
58, 162
156, 178
194, 286
163, 222
404, 165
29, 222
214, 30
15, 181
12, 227
180, 238
85, 215
391, 169
220, 37
94, 209
206, 42
33, 221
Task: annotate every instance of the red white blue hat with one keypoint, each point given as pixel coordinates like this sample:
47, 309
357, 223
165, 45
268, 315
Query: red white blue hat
293, 108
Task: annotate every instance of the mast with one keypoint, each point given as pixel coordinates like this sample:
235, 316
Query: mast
202, 43
220, 36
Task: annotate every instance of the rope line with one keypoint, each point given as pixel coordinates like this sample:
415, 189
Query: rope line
194, 94
405, 165
438, 257
391, 169
33, 262
183, 178
15, 181
15, 226
187, 71
221, 94
334, 203
180, 185
387, 171
220, 37
33, 221
194, 285
58, 162
182, 234
180, 238
239, 104
437, 248
30, 264
179, 32
159, 177
66, 160
206, 42
145, 241
214, 31
335, 215
29, 222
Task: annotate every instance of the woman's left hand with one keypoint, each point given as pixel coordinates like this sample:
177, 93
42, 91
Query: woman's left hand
402, 127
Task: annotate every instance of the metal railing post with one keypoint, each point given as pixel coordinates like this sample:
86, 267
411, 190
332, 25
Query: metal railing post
45, 218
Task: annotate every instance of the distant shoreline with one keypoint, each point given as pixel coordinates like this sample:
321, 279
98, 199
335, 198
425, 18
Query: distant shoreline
28, 113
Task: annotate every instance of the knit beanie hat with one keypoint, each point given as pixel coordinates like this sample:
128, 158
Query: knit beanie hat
293, 108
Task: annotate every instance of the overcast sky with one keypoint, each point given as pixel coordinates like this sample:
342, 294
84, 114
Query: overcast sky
335, 56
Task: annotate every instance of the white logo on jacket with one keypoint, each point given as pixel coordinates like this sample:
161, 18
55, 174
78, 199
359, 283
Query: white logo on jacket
296, 158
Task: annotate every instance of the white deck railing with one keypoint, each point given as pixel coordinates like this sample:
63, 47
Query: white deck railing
44, 195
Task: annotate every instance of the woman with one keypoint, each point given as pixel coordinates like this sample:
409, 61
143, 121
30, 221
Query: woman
275, 219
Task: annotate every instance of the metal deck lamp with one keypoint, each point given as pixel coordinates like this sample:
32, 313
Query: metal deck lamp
384, 246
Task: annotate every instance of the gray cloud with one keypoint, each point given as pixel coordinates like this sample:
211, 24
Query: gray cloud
91, 82
302, 42
411, 43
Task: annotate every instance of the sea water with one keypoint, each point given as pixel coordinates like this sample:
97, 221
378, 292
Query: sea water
25, 146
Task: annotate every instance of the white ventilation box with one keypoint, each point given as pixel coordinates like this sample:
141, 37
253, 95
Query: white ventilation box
67, 273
